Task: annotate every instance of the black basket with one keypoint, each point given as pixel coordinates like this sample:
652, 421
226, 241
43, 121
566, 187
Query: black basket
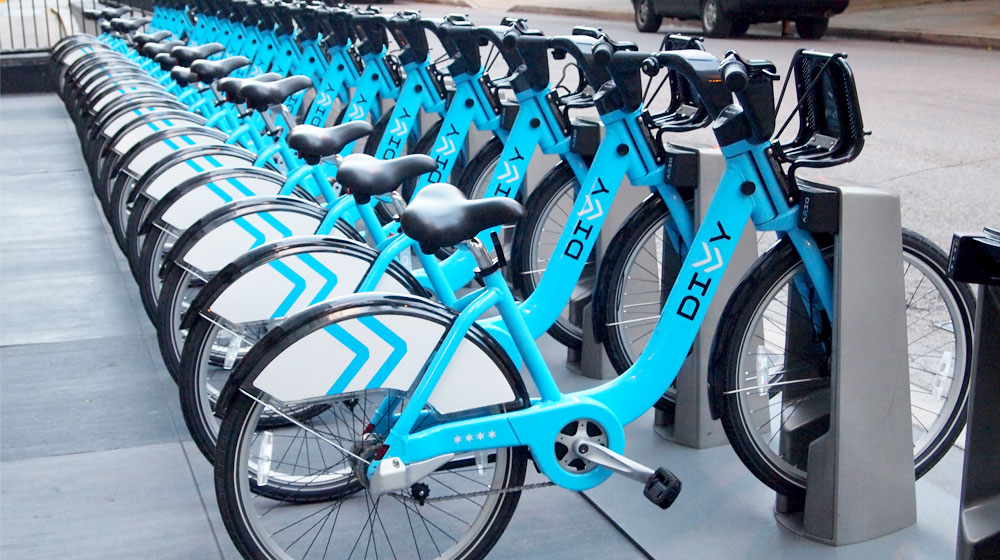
831, 131
685, 111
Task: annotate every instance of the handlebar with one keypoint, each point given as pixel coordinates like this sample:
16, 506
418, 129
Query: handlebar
734, 74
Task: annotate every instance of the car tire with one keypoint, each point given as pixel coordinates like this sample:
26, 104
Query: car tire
811, 28
646, 19
715, 22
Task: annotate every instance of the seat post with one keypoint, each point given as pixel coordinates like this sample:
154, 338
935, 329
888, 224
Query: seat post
286, 116
483, 258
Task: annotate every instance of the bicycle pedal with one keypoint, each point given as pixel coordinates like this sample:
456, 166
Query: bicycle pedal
662, 488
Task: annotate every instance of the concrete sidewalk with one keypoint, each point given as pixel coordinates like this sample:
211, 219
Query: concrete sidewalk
971, 23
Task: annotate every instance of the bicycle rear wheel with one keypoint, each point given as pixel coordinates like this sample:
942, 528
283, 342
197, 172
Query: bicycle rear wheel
349, 521
762, 345
301, 490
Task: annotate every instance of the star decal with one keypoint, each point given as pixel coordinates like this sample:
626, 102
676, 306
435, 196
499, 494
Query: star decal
468, 437
492, 434
458, 439
480, 436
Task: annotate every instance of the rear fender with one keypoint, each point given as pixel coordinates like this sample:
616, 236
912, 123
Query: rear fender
227, 232
186, 163
203, 193
376, 340
151, 149
285, 277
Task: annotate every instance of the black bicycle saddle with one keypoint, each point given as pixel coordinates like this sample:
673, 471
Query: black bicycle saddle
261, 95
440, 216
127, 25
142, 39
231, 86
183, 76
314, 143
366, 176
150, 50
210, 70
165, 61
186, 55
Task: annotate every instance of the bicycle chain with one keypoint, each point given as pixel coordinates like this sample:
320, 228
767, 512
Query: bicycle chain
483, 493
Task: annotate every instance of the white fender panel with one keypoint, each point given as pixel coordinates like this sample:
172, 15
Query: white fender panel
126, 142
98, 83
183, 170
154, 153
204, 198
313, 366
115, 94
233, 238
77, 54
263, 293
119, 122
472, 380
323, 363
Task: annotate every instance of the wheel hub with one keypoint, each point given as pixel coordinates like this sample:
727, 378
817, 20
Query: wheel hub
363, 454
585, 431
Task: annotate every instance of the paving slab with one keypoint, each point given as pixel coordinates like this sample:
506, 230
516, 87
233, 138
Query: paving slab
81, 396
32, 108
51, 256
127, 503
63, 308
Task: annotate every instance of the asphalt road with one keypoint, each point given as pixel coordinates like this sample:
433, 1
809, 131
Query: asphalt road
934, 114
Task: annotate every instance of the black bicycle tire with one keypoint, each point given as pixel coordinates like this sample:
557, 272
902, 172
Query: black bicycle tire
727, 346
520, 261
610, 273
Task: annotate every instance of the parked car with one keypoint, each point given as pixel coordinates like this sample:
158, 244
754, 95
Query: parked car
732, 18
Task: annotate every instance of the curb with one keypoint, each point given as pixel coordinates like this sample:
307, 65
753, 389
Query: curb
912, 36
581, 12
455, 3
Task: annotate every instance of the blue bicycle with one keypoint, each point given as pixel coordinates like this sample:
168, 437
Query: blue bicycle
427, 428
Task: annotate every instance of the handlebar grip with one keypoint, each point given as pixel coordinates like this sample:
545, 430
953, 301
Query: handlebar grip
602, 53
734, 75
531, 41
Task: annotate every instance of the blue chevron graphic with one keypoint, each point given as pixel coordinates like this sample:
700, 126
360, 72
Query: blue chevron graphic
215, 188
213, 161
276, 224
298, 283
331, 278
194, 165
240, 186
360, 357
258, 236
398, 350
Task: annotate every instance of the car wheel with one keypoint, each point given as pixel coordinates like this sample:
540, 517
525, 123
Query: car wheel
714, 21
811, 28
646, 19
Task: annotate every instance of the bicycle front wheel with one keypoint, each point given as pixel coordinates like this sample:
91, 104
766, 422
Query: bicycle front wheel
772, 362
548, 213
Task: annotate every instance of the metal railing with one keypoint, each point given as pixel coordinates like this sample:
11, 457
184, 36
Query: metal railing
36, 25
